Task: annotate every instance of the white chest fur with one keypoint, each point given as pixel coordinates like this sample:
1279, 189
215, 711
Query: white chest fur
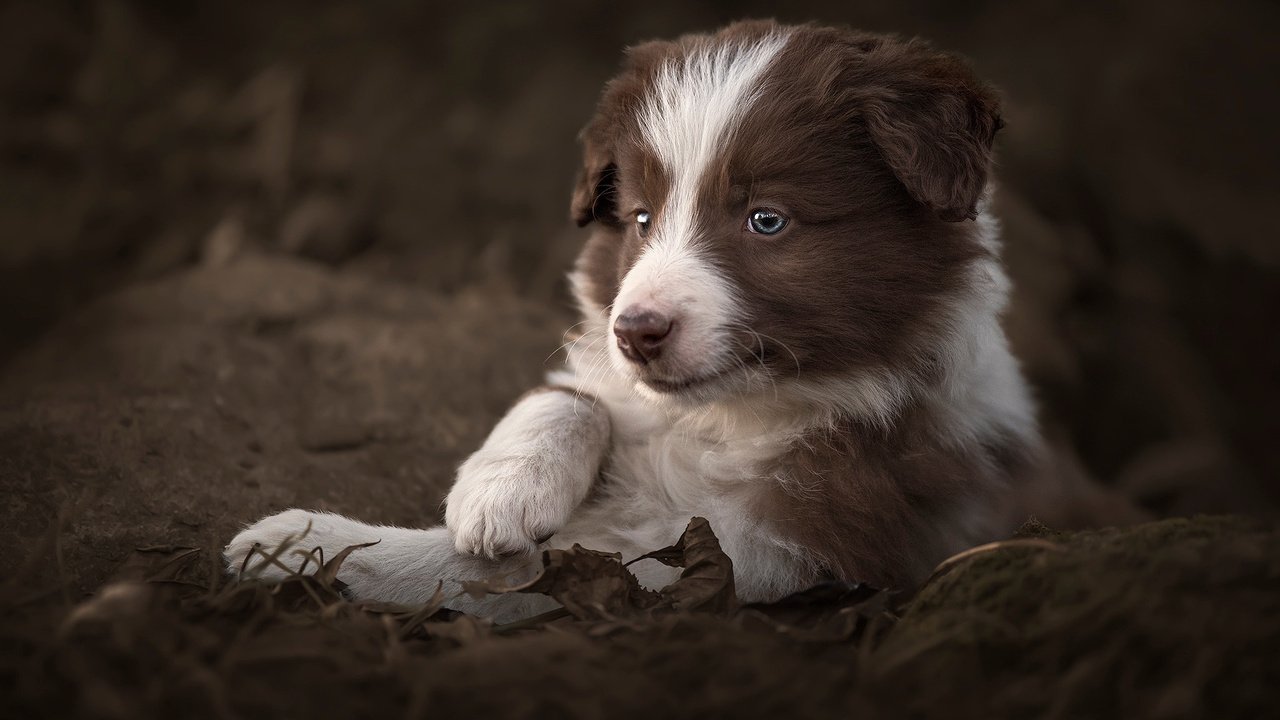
666, 465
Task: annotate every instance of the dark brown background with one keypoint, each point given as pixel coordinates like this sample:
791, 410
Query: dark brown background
256, 255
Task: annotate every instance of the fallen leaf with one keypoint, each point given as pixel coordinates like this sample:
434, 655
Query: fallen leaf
706, 583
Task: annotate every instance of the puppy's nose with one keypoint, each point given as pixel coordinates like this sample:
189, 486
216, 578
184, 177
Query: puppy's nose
641, 334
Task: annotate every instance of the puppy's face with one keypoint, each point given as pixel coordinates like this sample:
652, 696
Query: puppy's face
777, 203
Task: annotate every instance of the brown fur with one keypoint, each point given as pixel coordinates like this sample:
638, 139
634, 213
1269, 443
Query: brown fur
877, 150
883, 507
841, 115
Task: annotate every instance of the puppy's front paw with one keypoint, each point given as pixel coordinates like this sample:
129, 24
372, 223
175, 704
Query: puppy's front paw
507, 506
297, 531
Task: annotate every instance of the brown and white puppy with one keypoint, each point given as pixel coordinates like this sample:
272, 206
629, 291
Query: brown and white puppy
791, 298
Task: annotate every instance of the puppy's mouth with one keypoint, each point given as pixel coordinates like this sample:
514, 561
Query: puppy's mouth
674, 386
672, 377
725, 373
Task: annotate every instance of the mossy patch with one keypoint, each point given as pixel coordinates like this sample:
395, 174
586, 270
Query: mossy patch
1178, 617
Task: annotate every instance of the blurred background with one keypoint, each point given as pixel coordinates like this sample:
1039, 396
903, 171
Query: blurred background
418, 156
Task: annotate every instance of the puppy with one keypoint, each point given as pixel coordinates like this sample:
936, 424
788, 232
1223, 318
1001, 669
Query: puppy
791, 299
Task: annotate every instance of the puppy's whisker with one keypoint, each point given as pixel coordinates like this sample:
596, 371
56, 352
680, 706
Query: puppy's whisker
578, 388
569, 344
589, 378
761, 337
764, 369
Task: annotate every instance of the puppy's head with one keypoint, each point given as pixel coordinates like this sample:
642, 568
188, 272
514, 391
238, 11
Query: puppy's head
779, 202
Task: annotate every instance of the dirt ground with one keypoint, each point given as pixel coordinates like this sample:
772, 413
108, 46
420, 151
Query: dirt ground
305, 254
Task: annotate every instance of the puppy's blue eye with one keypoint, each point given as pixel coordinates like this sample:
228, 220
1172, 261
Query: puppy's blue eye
642, 221
766, 221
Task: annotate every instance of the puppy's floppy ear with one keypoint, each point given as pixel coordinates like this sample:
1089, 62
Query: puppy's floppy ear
933, 121
594, 195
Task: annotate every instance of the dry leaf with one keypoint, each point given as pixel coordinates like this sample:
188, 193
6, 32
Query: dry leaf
706, 584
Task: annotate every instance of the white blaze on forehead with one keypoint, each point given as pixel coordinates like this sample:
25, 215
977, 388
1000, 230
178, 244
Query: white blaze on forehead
693, 110
696, 103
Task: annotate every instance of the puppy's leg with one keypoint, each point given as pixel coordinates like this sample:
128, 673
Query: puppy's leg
404, 567
533, 471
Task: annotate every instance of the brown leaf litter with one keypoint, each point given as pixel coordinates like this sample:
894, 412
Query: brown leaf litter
1057, 625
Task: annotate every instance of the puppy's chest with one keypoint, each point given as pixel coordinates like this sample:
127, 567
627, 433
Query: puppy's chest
690, 467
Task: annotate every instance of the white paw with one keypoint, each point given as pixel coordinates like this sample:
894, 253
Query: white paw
299, 532
508, 506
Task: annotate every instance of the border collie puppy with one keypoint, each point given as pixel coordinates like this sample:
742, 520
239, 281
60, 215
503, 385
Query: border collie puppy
791, 301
